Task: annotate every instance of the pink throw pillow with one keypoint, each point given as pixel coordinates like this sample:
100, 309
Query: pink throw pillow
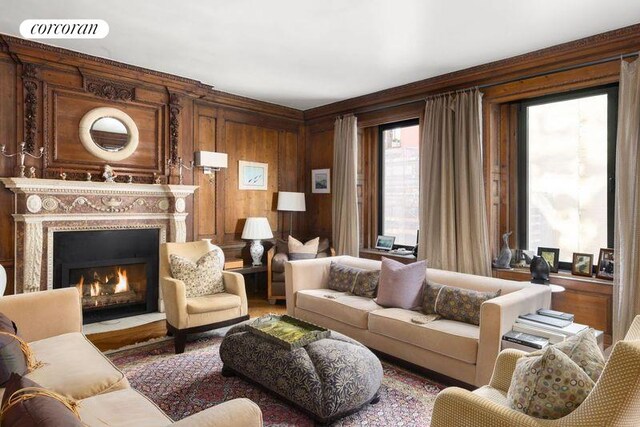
401, 285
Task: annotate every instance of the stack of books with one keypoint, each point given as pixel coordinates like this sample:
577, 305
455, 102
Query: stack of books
535, 331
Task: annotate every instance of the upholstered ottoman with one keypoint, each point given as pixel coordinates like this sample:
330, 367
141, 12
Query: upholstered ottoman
328, 378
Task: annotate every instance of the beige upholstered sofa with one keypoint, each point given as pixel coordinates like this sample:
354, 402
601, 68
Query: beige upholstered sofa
51, 322
458, 350
614, 401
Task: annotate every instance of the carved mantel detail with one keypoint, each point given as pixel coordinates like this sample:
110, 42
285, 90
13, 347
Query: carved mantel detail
109, 90
30, 84
174, 126
46, 206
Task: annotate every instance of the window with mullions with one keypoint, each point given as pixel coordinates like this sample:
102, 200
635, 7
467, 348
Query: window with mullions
399, 172
566, 171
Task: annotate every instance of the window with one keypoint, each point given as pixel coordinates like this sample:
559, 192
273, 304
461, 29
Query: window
399, 169
566, 172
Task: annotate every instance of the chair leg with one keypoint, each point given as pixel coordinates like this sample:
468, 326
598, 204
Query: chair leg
180, 340
169, 331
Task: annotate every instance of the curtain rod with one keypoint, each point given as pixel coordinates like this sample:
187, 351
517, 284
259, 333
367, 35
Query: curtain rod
488, 85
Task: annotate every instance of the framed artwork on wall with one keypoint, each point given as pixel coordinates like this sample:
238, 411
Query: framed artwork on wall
252, 175
320, 181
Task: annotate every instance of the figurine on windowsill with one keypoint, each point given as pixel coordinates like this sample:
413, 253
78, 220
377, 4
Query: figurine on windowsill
63, 176
32, 172
87, 176
504, 257
108, 174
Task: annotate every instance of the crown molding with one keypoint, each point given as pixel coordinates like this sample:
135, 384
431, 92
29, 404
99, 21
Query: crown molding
617, 42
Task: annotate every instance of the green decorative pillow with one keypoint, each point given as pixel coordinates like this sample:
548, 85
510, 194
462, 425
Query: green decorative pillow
203, 277
12, 359
549, 385
462, 305
583, 349
357, 281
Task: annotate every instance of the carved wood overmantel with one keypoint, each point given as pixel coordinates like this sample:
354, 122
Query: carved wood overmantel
45, 206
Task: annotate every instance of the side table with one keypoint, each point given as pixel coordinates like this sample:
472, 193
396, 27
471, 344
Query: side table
251, 270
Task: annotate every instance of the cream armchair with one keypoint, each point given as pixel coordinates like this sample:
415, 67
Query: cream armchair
614, 401
199, 314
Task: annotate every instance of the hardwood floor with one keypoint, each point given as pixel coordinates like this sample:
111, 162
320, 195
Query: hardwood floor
117, 339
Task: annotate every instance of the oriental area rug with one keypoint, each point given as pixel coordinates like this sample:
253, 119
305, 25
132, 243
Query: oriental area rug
187, 383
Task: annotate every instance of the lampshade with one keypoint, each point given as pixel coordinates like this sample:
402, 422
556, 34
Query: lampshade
290, 201
257, 228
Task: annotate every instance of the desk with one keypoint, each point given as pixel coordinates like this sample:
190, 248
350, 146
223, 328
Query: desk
378, 254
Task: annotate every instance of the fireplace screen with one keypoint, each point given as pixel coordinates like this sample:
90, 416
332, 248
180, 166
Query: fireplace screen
109, 286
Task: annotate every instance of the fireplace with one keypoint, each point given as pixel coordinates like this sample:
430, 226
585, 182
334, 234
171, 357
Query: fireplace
115, 271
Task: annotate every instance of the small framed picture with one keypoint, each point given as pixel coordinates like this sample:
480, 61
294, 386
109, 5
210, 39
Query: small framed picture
321, 181
605, 264
385, 243
252, 175
582, 264
551, 255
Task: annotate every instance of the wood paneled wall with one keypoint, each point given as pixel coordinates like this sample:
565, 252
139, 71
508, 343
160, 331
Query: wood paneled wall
578, 62
174, 115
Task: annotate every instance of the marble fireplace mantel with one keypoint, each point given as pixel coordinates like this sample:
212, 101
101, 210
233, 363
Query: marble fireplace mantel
45, 206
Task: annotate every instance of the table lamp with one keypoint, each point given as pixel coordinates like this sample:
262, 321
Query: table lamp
289, 201
256, 229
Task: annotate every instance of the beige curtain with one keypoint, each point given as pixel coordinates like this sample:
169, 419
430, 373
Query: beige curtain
344, 212
453, 221
626, 292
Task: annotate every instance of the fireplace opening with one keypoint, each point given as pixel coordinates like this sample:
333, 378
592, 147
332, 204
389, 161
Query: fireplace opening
122, 282
115, 271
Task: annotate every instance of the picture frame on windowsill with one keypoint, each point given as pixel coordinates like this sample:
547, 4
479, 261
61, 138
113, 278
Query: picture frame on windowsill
552, 256
605, 264
582, 264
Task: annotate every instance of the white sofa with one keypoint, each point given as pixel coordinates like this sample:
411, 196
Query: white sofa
458, 350
51, 322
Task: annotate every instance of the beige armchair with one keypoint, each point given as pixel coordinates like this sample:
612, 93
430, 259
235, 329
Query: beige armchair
614, 401
199, 314
277, 256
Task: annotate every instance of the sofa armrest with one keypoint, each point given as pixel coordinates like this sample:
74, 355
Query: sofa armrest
45, 314
305, 274
458, 407
497, 316
234, 284
174, 295
236, 412
504, 367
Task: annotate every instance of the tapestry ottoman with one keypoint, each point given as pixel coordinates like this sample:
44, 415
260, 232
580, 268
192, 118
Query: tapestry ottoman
328, 378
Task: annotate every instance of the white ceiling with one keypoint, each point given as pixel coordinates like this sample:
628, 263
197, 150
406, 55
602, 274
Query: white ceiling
305, 53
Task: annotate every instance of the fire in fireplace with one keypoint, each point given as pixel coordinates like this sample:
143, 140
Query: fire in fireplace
113, 285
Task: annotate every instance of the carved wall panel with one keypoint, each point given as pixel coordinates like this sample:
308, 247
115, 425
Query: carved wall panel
66, 108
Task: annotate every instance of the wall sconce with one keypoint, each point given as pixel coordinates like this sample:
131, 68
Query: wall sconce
210, 162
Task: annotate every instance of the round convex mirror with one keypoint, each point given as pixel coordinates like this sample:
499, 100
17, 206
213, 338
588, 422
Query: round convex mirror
110, 134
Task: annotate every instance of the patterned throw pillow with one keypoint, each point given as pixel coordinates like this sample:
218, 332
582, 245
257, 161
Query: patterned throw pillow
203, 277
299, 250
583, 349
343, 278
430, 296
367, 283
548, 386
462, 305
